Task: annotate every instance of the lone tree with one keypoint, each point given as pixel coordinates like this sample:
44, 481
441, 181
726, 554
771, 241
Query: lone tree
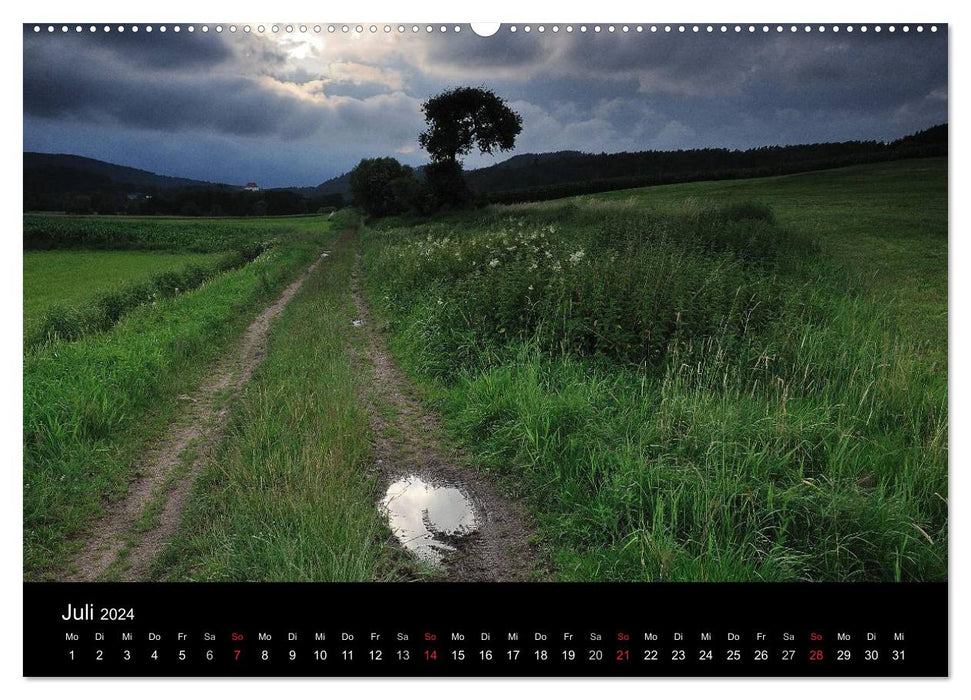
459, 120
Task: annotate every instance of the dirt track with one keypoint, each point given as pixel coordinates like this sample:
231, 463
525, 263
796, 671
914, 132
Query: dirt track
116, 548
408, 442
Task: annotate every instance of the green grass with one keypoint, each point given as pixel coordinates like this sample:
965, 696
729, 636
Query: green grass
288, 496
74, 277
885, 222
701, 382
92, 405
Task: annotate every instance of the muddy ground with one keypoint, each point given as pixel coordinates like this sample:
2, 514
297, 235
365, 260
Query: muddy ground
409, 441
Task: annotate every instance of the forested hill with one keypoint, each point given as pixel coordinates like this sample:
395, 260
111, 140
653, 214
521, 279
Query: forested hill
529, 177
533, 176
55, 182
75, 173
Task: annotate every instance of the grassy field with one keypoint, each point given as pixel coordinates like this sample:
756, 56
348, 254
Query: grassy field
706, 382
73, 277
886, 223
91, 405
714, 381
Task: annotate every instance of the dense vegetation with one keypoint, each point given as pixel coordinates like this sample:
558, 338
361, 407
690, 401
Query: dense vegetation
91, 405
695, 389
736, 380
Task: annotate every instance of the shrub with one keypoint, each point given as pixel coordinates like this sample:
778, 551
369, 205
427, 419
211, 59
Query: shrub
380, 186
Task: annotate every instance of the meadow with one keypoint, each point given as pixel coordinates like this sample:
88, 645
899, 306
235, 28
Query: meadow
724, 381
93, 403
714, 381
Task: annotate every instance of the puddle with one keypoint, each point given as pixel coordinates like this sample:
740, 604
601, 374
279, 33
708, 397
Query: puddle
428, 518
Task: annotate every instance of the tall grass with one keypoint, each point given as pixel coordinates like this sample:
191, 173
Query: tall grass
694, 395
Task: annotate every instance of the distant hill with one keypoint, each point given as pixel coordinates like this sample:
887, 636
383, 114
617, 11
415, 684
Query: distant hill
70, 171
58, 182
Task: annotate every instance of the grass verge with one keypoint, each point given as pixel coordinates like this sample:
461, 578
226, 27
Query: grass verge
91, 406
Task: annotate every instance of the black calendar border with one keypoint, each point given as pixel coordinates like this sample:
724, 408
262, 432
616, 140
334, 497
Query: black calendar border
918, 610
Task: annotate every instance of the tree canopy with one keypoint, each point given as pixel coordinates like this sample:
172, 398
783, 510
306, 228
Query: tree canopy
464, 118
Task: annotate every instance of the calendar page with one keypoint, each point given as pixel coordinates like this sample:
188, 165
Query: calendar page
410, 349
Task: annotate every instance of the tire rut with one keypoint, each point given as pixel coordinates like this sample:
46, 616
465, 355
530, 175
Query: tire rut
115, 549
407, 443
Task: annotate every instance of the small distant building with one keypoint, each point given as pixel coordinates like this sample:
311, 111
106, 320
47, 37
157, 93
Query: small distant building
252, 187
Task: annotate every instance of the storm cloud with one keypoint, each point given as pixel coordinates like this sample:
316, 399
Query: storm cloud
296, 109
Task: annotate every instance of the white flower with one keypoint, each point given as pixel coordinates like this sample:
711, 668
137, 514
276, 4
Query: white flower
494, 262
577, 256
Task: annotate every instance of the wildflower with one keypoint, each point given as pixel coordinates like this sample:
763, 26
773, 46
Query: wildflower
530, 287
577, 256
494, 262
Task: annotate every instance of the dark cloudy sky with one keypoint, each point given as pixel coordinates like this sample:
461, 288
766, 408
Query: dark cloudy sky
296, 109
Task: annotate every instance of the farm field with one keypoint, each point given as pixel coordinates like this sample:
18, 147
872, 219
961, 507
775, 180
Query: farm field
706, 382
73, 277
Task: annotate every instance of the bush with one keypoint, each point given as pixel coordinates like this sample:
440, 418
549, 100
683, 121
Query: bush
383, 186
